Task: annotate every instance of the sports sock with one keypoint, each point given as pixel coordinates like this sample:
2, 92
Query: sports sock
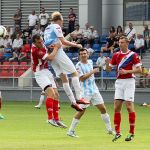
49, 108
132, 117
42, 97
73, 124
77, 88
56, 110
117, 121
106, 119
69, 92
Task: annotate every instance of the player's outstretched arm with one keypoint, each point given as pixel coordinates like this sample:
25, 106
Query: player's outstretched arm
68, 43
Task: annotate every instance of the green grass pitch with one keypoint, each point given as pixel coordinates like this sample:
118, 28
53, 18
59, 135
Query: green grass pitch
25, 128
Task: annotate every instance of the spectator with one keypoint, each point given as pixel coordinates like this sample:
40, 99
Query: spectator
89, 49
33, 19
139, 44
130, 32
17, 44
17, 18
101, 61
86, 33
9, 31
146, 34
112, 30
42, 32
77, 34
93, 34
120, 32
7, 40
1, 42
26, 33
36, 30
16, 32
110, 45
7, 52
43, 17
71, 19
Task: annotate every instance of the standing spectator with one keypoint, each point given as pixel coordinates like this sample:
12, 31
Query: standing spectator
124, 60
71, 19
43, 17
16, 32
130, 32
146, 34
17, 18
33, 19
86, 34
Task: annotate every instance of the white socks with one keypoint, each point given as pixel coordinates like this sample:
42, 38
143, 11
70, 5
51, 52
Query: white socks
42, 97
77, 88
106, 119
73, 124
69, 92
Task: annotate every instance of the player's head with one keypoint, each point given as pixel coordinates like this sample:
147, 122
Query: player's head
123, 43
56, 17
37, 41
83, 54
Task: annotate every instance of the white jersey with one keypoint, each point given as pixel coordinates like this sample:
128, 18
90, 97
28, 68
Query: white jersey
88, 86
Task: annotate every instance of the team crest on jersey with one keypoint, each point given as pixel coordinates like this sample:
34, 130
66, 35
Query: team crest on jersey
40, 53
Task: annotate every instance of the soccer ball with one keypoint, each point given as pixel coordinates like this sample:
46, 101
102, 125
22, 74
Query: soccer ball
3, 31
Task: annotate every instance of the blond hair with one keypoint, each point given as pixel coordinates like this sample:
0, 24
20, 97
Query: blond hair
124, 38
55, 16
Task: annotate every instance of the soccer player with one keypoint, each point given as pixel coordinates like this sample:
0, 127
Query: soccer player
124, 60
45, 79
61, 64
1, 116
90, 92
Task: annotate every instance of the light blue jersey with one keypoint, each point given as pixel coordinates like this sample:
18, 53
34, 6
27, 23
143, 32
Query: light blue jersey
52, 34
88, 86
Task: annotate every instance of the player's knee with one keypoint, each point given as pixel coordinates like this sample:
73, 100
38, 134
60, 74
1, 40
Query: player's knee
64, 78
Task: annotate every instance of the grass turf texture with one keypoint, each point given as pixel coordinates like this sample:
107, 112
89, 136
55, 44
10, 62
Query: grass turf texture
25, 128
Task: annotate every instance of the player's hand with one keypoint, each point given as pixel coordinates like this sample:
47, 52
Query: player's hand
122, 71
107, 60
79, 46
95, 70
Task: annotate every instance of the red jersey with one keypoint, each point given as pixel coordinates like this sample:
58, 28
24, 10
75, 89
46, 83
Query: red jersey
125, 61
38, 57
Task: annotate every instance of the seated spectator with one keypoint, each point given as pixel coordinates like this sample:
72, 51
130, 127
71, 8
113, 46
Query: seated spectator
2, 58
146, 34
26, 33
42, 32
7, 40
119, 32
139, 44
17, 43
86, 34
92, 35
101, 61
110, 45
89, 49
36, 30
9, 31
16, 32
14, 56
7, 52
112, 30
77, 34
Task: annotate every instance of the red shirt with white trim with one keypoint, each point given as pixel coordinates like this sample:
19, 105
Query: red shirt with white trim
130, 62
38, 57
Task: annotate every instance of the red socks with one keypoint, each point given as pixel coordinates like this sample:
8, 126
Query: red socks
117, 120
49, 108
56, 110
52, 109
132, 117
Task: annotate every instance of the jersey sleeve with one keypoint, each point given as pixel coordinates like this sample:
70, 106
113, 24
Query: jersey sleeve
136, 60
79, 70
113, 62
58, 31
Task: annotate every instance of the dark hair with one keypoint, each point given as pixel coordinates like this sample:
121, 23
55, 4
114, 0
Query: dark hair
82, 49
112, 29
119, 27
36, 37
